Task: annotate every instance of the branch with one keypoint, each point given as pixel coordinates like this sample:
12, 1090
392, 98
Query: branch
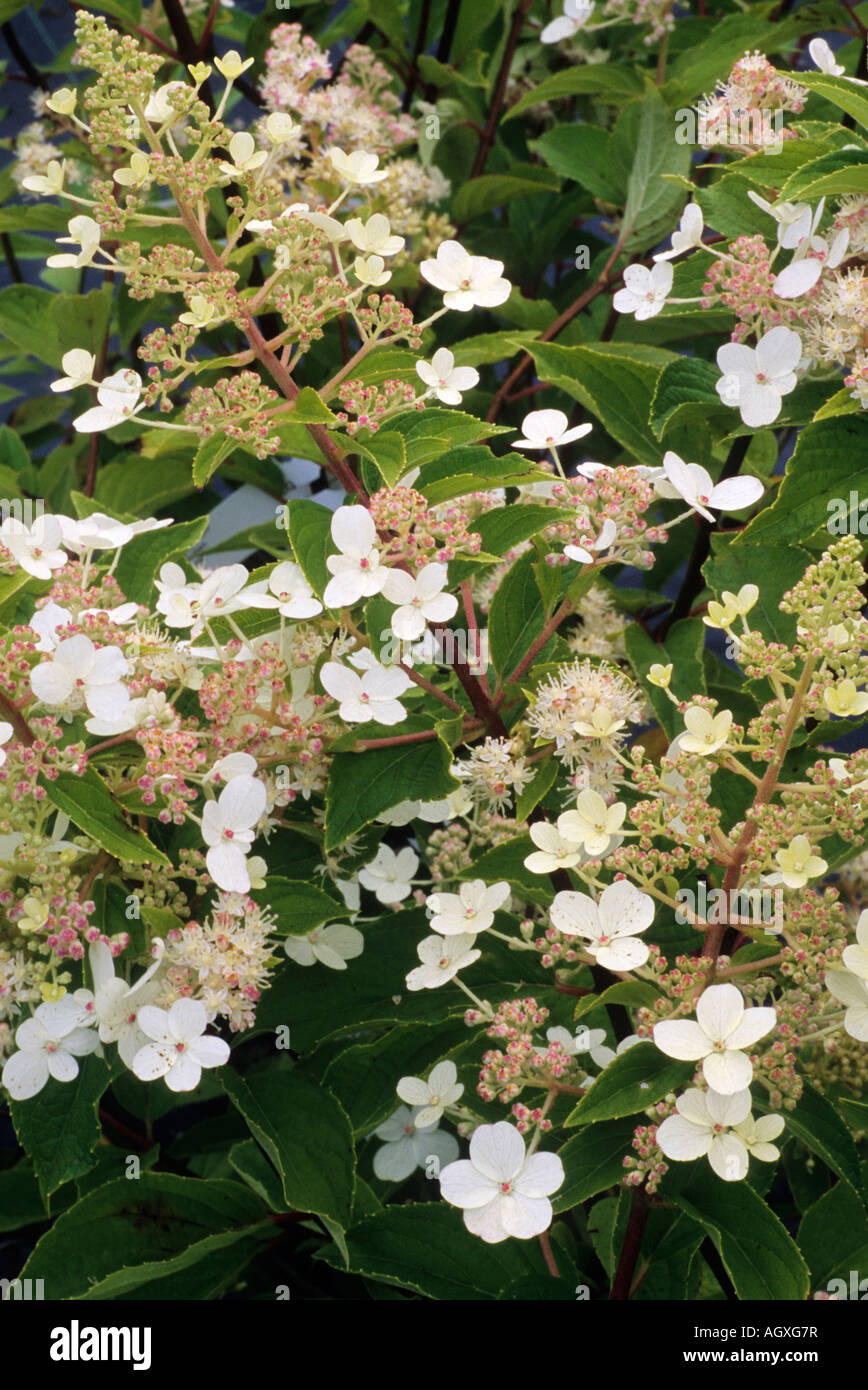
623, 1281
500, 89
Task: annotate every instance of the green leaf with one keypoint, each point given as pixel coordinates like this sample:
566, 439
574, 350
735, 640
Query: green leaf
426, 1248
128, 1236
758, 1255
299, 906
363, 785
305, 1133
609, 81
59, 1128
310, 538
685, 392
480, 195
309, 408
643, 141
209, 456
471, 468
516, 616
86, 799
530, 796
684, 649
20, 1200
833, 1236
389, 451
635, 993
819, 1126
631, 1082
615, 381
505, 527
593, 1160
141, 487
836, 174
827, 462
841, 92
582, 153
362, 1078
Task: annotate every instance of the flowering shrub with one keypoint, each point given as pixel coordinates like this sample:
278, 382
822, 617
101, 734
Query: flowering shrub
391, 592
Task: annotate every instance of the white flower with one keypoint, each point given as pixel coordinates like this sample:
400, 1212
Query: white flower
610, 927
78, 365
101, 532
576, 13
371, 696
687, 235
756, 379
548, 429
79, 672
441, 1089
503, 1191
851, 991
442, 958
228, 827
116, 1003
389, 875
466, 281
374, 236
471, 909
332, 946
356, 570
243, 154
405, 1150
553, 852
593, 824
159, 108
186, 604
722, 1029
371, 270
359, 167
691, 482
50, 184
118, 399
443, 379
178, 1051
797, 863
582, 554
706, 732
645, 291
855, 958
36, 548
823, 58
420, 600
593, 1041
279, 127
83, 232
721, 1127
49, 1044
296, 599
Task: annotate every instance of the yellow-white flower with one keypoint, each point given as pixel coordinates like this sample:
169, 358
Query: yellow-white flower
84, 232
374, 236
603, 724
797, 863
706, 732
62, 102
593, 824
370, 270
231, 65
358, 167
50, 183
553, 851
844, 699
660, 675
79, 366
200, 313
244, 155
611, 927
159, 108
136, 173
279, 127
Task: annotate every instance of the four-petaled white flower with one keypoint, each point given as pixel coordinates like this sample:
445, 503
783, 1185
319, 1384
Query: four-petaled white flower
118, 397
706, 732
593, 1041
548, 429
178, 1050
48, 1044
85, 233
359, 167
723, 1028
693, 484
502, 1190
356, 571
117, 1004
687, 235
756, 379
373, 237
583, 554
467, 282
78, 365
228, 828
332, 946
797, 863
81, 674
576, 14
420, 600
374, 695
101, 532
844, 698
244, 157
389, 876
609, 927
371, 270
188, 604
36, 548
443, 379
295, 597
442, 957
553, 851
593, 824
722, 1128
645, 291
405, 1149
471, 909
851, 991
441, 1089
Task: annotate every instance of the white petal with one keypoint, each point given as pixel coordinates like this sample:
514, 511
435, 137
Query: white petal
727, 1072
497, 1151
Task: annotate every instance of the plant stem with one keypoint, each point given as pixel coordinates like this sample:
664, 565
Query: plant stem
623, 1281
